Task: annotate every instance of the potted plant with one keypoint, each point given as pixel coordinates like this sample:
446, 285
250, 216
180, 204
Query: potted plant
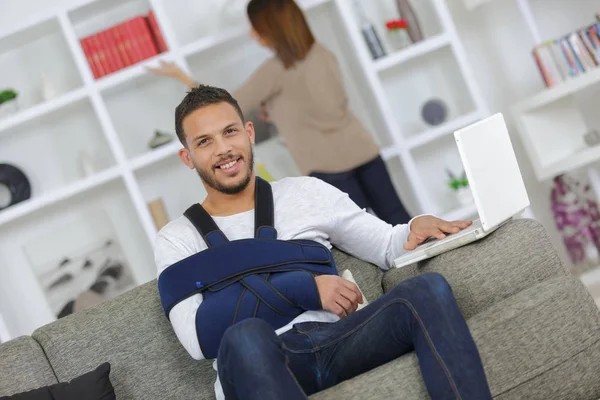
460, 187
8, 102
397, 33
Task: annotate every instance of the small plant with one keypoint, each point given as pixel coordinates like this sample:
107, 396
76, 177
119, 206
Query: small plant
7, 95
457, 182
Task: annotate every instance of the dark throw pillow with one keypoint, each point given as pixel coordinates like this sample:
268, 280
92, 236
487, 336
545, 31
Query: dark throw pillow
93, 385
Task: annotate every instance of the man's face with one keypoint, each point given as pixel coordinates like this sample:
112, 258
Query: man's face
219, 147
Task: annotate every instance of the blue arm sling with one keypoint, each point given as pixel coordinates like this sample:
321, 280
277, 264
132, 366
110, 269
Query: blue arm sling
262, 277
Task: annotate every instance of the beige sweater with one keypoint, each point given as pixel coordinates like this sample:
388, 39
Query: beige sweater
309, 106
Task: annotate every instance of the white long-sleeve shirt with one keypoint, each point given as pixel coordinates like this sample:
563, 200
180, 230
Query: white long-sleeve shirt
305, 208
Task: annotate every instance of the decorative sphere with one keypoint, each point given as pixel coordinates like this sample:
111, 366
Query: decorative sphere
434, 112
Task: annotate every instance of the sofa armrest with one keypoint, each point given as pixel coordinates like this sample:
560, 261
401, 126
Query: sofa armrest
514, 257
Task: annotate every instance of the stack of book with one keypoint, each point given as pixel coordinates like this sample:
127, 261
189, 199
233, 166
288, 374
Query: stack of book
569, 56
123, 45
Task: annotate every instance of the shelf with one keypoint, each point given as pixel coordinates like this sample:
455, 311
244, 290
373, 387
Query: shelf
128, 74
389, 152
37, 63
43, 109
171, 181
447, 128
229, 34
578, 160
560, 91
416, 50
94, 16
37, 203
209, 42
402, 183
434, 76
432, 160
156, 155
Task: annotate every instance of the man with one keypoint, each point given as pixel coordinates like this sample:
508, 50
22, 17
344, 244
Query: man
318, 348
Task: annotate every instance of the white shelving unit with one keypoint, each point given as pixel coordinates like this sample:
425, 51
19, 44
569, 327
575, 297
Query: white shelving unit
113, 118
400, 83
552, 123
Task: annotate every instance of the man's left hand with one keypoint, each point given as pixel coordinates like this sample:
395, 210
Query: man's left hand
426, 226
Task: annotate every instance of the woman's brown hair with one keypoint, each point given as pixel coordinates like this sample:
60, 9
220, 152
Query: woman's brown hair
283, 25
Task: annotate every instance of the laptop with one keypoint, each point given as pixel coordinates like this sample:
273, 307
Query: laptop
496, 183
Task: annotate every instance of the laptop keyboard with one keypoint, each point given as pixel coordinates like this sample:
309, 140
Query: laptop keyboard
433, 242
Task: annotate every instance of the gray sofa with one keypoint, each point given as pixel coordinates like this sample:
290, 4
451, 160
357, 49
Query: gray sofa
537, 328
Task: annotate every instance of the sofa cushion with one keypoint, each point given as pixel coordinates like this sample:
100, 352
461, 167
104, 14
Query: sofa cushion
523, 341
132, 333
23, 366
515, 257
93, 385
368, 277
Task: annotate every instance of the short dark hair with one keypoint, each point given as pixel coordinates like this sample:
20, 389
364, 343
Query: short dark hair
198, 97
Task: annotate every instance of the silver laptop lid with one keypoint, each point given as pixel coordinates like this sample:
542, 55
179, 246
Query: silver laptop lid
492, 170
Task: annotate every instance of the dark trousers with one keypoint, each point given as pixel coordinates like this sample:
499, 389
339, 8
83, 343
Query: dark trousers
420, 314
370, 186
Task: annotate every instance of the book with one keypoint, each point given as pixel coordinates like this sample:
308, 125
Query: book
158, 36
124, 44
570, 55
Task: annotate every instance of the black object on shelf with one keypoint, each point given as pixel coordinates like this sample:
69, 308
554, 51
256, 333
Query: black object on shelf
369, 33
16, 182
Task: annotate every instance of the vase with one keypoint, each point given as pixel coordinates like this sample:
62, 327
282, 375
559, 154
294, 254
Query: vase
407, 13
398, 39
9, 108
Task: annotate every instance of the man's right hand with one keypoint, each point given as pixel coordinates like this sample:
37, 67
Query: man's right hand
338, 295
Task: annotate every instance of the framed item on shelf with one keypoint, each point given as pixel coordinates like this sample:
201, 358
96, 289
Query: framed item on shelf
79, 264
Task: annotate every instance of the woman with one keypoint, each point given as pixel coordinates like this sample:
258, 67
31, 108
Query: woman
302, 90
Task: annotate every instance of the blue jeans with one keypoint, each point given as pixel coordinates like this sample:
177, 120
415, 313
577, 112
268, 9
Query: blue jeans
419, 314
370, 186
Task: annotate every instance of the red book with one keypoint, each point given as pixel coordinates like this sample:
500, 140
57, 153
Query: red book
111, 63
87, 50
158, 36
123, 45
113, 49
98, 55
145, 38
135, 49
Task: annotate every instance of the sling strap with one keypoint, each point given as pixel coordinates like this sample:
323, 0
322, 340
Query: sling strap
260, 277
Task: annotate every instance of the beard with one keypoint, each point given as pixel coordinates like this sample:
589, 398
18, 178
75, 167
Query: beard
210, 178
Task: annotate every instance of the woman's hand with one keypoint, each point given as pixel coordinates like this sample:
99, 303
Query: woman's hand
172, 71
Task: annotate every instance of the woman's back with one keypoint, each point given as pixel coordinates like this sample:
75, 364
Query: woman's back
309, 105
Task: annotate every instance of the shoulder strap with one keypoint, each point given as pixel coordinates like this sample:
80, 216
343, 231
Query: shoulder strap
207, 227
264, 215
